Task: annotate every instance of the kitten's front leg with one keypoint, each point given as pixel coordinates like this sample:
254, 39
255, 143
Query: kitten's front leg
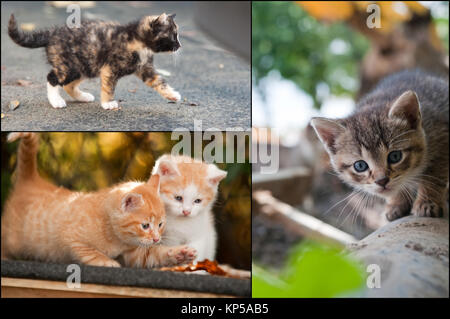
159, 256
155, 81
108, 82
431, 201
398, 206
91, 256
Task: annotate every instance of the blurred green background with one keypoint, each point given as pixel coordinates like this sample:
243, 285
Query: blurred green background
313, 54
91, 161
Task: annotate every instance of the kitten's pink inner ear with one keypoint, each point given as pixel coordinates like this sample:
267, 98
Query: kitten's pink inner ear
327, 130
166, 169
406, 106
131, 201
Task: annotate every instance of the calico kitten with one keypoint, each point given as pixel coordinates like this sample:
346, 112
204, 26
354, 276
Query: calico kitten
102, 49
188, 190
44, 222
395, 145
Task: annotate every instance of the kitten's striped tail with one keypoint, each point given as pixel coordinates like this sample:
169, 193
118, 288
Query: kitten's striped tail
26, 158
35, 39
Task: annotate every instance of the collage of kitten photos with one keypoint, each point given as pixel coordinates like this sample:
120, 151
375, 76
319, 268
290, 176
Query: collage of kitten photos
196, 151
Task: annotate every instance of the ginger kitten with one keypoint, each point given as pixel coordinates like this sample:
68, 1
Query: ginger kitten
48, 223
188, 189
102, 49
396, 144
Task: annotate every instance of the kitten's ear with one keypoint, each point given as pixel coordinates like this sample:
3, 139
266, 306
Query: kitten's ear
327, 130
406, 106
162, 19
167, 169
172, 15
215, 174
131, 201
153, 182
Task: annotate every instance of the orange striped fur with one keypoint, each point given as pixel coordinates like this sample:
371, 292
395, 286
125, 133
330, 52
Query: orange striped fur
45, 222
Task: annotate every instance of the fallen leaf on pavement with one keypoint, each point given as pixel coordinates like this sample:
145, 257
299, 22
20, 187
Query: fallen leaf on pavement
13, 105
24, 82
132, 90
3, 115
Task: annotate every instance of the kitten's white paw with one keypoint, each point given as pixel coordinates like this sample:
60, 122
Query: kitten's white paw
54, 98
110, 105
85, 97
172, 95
57, 102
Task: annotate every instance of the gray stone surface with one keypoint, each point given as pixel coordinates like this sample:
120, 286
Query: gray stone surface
413, 257
132, 277
204, 74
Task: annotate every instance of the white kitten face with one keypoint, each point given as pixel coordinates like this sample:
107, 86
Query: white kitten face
186, 201
188, 187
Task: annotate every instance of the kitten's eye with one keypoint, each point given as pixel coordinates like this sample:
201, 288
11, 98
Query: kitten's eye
198, 201
360, 166
179, 198
145, 226
160, 224
394, 157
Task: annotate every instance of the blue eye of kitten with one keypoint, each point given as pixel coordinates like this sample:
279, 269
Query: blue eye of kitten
394, 157
198, 201
179, 198
360, 166
145, 226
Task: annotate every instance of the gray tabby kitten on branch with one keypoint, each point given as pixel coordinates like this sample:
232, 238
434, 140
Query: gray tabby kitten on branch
395, 145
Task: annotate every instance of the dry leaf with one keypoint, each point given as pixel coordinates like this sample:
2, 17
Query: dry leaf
211, 267
24, 82
13, 105
132, 90
3, 115
193, 104
221, 66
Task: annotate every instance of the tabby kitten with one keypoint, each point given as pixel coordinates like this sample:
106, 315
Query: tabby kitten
396, 144
188, 190
102, 49
48, 223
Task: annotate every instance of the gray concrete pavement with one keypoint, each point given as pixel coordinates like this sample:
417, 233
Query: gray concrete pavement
217, 81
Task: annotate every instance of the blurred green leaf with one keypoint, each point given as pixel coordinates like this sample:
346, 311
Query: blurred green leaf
312, 271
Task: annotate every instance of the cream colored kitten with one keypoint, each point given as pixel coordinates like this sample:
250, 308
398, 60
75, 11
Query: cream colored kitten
188, 189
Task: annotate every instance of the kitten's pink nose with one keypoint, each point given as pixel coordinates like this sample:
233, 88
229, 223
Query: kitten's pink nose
186, 212
155, 240
382, 181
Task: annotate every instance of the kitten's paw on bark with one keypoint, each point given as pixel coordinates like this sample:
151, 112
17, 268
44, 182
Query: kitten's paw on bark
395, 212
182, 255
110, 105
85, 97
427, 208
